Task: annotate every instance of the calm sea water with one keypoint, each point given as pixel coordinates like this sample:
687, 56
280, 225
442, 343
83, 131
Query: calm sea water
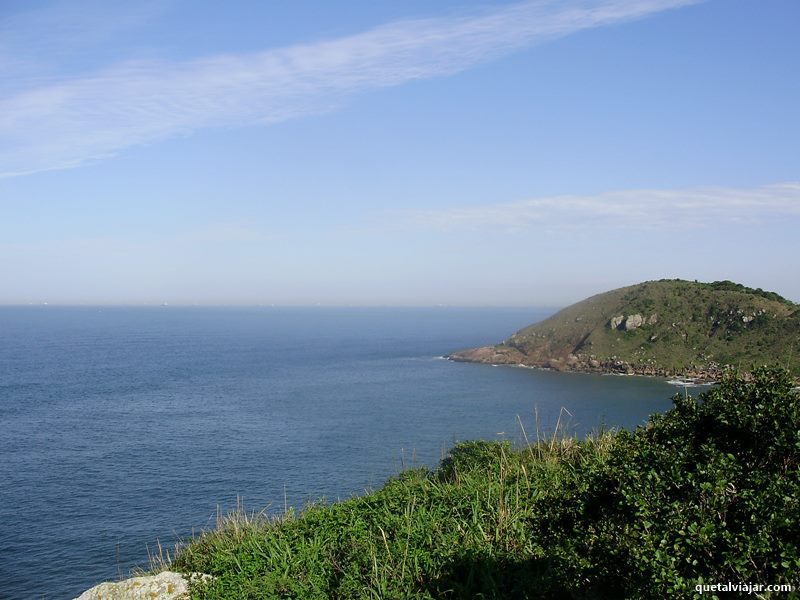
123, 426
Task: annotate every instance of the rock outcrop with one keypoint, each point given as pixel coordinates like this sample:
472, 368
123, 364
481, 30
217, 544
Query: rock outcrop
502, 355
633, 322
164, 586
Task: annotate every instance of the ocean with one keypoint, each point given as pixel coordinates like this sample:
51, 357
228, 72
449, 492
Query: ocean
122, 428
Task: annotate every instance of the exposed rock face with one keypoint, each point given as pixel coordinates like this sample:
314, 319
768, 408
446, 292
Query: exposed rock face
633, 321
164, 586
490, 355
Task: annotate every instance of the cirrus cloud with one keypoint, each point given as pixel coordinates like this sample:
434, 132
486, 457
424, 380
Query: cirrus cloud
88, 117
646, 208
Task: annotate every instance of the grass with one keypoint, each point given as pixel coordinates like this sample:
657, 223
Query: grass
707, 492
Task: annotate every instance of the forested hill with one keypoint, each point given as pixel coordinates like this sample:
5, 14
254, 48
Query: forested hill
665, 327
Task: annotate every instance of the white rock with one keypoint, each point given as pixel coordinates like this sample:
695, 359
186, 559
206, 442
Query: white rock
164, 586
633, 321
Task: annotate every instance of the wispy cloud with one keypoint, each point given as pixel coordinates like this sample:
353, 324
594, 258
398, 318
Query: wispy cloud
686, 208
79, 119
38, 42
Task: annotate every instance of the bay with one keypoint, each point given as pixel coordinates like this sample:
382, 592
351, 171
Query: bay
123, 426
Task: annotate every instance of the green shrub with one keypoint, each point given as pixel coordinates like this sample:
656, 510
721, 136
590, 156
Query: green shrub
709, 491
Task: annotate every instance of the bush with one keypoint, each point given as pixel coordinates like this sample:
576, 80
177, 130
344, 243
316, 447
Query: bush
709, 491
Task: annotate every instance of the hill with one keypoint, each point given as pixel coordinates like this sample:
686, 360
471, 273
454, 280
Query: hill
666, 327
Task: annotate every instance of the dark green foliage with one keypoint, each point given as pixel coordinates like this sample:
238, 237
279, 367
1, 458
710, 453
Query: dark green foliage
710, 491
730, 286
707, 492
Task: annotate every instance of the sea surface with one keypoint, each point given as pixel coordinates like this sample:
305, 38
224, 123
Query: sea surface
124, 427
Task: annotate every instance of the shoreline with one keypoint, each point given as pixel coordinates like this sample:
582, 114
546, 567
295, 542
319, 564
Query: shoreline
686, 381
509, 356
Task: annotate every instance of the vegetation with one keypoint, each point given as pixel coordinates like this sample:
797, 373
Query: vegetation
730, 286
664, 327
708, 492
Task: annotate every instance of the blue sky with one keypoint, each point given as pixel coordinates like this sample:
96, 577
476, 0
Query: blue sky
395, 153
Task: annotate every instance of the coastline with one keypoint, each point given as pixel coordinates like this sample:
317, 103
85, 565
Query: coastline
510, 356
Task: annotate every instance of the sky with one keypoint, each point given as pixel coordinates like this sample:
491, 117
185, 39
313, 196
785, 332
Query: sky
464, 153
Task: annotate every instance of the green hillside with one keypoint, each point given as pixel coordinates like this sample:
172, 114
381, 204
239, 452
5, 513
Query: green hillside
664, 327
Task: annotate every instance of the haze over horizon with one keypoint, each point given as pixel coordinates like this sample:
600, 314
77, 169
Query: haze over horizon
398, 154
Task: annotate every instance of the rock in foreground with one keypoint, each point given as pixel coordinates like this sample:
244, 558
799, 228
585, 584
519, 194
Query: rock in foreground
164, 586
